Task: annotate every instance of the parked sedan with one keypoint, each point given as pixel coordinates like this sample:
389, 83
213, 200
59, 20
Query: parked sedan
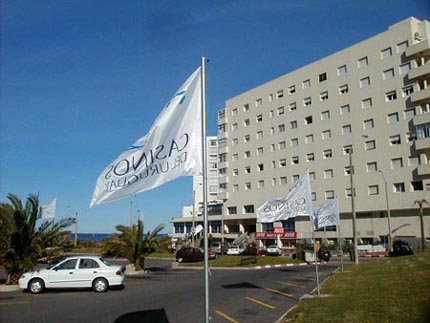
75, 272
190, 254
234, 250
273, 250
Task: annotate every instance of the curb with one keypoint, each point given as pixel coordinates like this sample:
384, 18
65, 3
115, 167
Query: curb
248, 268
9, 288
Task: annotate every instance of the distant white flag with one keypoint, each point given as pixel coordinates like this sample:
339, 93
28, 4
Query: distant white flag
47, 211
172, 148
326, 214
298, 201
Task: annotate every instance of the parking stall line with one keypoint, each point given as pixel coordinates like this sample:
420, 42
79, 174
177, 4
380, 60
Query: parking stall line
260, 303
225, 316
292, 285
279, 292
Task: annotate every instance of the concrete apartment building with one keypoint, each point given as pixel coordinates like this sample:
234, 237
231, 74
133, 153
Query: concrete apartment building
371, 99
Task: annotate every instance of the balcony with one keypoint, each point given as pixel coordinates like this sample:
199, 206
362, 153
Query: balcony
423, 170
419, 48
421, 119
422, 144
223, 196
421, 72
422, 95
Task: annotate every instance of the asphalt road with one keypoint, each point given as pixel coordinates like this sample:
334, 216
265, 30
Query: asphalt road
235, 296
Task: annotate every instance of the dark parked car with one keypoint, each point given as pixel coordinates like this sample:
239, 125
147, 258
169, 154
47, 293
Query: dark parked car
190, 254
253, 251
324, 254
401, 248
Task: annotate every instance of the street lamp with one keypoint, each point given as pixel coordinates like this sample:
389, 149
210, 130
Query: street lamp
390, 238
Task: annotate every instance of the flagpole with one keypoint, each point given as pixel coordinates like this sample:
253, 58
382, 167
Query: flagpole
315, 258
205, 205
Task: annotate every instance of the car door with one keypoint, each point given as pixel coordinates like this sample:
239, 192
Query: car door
87, 270
62, 275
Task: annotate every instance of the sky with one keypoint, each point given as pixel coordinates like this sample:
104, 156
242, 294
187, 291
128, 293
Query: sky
82, 80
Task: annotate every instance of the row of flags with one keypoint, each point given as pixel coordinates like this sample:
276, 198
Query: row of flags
298, 201
47, 211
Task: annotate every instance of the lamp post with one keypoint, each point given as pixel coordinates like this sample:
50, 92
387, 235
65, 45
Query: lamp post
390, 239
354, 216
76, 229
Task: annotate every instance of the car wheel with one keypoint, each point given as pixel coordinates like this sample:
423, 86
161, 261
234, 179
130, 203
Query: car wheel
36, 286
100, 285
179, 260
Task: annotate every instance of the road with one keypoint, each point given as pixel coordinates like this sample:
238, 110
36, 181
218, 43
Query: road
235, 296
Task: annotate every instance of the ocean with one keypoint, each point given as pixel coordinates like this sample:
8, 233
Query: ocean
98, 237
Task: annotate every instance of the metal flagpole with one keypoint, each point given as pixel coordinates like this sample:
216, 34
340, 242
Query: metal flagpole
340, 246
315, 258
205, 202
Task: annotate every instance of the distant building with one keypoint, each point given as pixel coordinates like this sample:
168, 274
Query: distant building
371, 99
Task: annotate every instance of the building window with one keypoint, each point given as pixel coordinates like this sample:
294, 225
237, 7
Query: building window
292, 89
401, 47
235, 157
282, 145
294, 142
292, 106
283, 163
365, 82
373, 189
247, 186
366, 103
326, 134
368, 124
324, 96
372, 167
247, 170
247, 154
260, 151
341, 70
404, 68
248, 208
221, 114
281, 111
235, 172
310, 157
325, 115
411, 136
235, 188
259, 118
293, 124
347, 150
222, 158
234, 112
345, 109
329, 195
246, 122
279, 94
221, 128
309, 139
283, 180
234, 126
388, 74
306, 84
260, 184
417, 186
348, 192
222, 187
363, 62
222, 142
312, 176
346, 130
387, 52
308, 120
370, 145
327, 154
347, 170
270, 97
423, 131
396, 163
392, 118
260, 167
267, 227
395, 140
258, 102
307, 101
407, 91
281, 128
343, 89
259, 134
322, 77
399, 187
390, 96
246, 138
294, 160
246, 107
328, 173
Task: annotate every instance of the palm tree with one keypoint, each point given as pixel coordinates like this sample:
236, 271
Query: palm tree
132, 244
22, 243
421, 204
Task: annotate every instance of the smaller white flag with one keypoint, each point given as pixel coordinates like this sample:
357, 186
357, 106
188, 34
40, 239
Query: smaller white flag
298, 201
326, 215
47, 211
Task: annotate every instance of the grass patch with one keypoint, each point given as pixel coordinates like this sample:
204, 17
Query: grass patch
391, 290
234, 261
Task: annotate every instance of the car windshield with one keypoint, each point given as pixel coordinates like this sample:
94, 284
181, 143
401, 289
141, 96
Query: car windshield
106, 262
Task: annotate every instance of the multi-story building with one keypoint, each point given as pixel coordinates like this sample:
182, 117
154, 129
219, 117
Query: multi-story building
370, 102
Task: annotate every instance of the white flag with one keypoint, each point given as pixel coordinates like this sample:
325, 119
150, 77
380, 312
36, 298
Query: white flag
326, 215
47, 211
298, 201
172, 148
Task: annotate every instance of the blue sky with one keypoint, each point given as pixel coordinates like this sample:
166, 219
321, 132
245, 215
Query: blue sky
82, 80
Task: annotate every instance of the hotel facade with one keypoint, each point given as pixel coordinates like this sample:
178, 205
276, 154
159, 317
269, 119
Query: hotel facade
364, 109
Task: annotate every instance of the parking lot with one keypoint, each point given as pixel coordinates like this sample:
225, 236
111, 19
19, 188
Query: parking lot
235, 296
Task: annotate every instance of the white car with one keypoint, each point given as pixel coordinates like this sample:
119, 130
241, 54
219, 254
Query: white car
273, 250
75, 272
234, 250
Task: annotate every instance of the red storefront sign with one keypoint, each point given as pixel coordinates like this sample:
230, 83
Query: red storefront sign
274, 235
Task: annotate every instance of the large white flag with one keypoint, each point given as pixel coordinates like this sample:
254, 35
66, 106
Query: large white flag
172, 148
47, 211
298, 201
326, 214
